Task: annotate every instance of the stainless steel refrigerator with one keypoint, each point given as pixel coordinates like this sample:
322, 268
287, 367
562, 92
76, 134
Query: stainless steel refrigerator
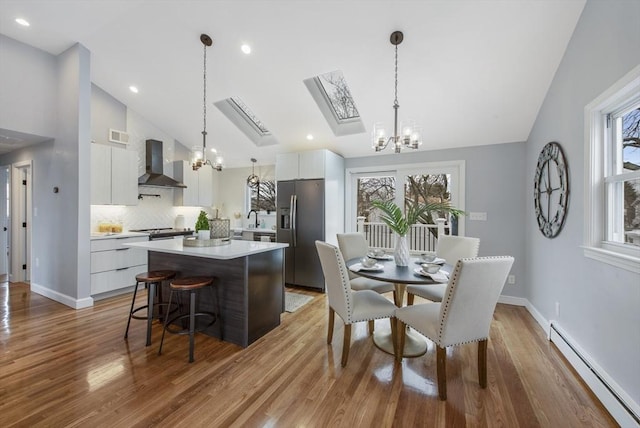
300, 217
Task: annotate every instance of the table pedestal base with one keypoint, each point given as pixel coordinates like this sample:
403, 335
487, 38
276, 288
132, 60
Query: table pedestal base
414, 344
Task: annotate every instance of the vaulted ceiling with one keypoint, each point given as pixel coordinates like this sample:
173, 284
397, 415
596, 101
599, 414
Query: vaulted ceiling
470, 72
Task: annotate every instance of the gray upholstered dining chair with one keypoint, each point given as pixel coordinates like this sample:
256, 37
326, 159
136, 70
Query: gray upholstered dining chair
463, 316
452, 249
351, 305
354, 245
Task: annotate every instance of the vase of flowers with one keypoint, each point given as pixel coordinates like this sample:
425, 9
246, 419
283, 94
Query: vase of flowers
202, 226
400, 223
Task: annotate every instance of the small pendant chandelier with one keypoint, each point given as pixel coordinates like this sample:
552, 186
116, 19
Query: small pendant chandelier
253, 180
410, 134
200, 153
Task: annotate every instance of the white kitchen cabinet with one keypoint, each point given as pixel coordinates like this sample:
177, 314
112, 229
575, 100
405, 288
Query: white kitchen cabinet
199, 191
114, 175
312, 164
287, 166
307, 165
114, 266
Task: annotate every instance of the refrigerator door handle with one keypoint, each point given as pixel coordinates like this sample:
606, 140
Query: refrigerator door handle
292, 218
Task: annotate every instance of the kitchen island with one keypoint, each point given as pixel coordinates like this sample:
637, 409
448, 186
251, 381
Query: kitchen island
249, 283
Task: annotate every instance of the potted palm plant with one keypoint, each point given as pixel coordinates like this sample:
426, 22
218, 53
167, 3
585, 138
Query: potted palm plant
202, 226
400, 223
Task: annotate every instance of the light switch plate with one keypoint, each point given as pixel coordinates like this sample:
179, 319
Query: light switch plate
478, 216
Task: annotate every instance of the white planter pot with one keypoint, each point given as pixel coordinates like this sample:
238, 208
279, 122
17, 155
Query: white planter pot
204, 234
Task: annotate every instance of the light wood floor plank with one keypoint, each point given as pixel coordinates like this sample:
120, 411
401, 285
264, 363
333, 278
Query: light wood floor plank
72, 368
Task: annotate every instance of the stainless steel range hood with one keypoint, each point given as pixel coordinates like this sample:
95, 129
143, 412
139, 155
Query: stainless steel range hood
154, 175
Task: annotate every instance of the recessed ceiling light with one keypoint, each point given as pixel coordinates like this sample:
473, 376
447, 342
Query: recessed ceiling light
309, 137
213, 150
246, 48
133, 89
22, 22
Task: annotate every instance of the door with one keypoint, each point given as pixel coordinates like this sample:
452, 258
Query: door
21, 224
309, 227
284, 231
4, 221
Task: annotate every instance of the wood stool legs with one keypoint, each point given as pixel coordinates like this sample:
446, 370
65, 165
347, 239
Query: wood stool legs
153, 280
190, 285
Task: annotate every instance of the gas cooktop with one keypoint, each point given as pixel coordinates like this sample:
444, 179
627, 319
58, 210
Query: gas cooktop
164, 232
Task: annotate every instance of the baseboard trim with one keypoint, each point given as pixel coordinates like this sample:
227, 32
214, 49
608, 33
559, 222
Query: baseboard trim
62, 298
510, 300
619, 404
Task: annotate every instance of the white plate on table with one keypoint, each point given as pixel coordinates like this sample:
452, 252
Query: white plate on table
437, 261
439, 276
385, 257
358, 267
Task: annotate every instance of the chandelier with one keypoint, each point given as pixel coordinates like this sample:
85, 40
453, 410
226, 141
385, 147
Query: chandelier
409, 136
253, 180
200, 153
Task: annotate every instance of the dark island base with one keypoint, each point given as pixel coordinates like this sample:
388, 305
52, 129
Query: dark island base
250, 291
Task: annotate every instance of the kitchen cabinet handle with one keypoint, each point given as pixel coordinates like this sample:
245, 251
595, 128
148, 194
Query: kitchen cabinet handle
122, 249
122, 268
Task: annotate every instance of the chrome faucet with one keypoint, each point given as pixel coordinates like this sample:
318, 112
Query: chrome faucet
249, 215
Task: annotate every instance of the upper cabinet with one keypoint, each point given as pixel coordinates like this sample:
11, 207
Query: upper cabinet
114, 175
307, 165
199, 191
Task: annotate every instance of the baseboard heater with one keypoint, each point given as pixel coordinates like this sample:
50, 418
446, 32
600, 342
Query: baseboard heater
618, 406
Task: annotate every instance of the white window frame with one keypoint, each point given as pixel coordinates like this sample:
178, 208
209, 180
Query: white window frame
456, 169
597, 153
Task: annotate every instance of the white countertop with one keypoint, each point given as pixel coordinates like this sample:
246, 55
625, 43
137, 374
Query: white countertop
254, 229
112, 235
233, 250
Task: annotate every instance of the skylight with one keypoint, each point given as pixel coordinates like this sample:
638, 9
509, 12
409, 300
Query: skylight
338, 95
246, 121
333, 97
250, 116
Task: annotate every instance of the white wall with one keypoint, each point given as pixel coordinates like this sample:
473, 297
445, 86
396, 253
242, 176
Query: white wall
106, 113
599, 304
28, 89
494, 183
60, 229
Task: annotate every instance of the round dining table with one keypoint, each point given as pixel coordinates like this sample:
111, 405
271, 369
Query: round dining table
415, 344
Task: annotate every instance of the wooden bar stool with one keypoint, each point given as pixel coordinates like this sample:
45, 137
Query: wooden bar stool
150, 280
190, 285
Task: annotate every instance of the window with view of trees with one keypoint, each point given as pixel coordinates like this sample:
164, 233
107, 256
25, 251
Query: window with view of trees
623, 176
422, 189
418, 189
263, 196
612, 176
405, 185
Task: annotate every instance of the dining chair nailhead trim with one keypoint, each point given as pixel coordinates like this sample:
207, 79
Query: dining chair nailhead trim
445, 304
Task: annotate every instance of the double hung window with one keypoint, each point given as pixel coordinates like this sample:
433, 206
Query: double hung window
612, 178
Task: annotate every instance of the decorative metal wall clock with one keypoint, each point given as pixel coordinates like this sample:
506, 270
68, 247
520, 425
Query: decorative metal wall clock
551, 190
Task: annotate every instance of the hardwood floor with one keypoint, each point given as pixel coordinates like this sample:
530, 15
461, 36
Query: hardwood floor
61, 367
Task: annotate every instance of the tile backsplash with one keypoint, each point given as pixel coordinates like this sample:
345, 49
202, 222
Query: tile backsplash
151, 211
158, 211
